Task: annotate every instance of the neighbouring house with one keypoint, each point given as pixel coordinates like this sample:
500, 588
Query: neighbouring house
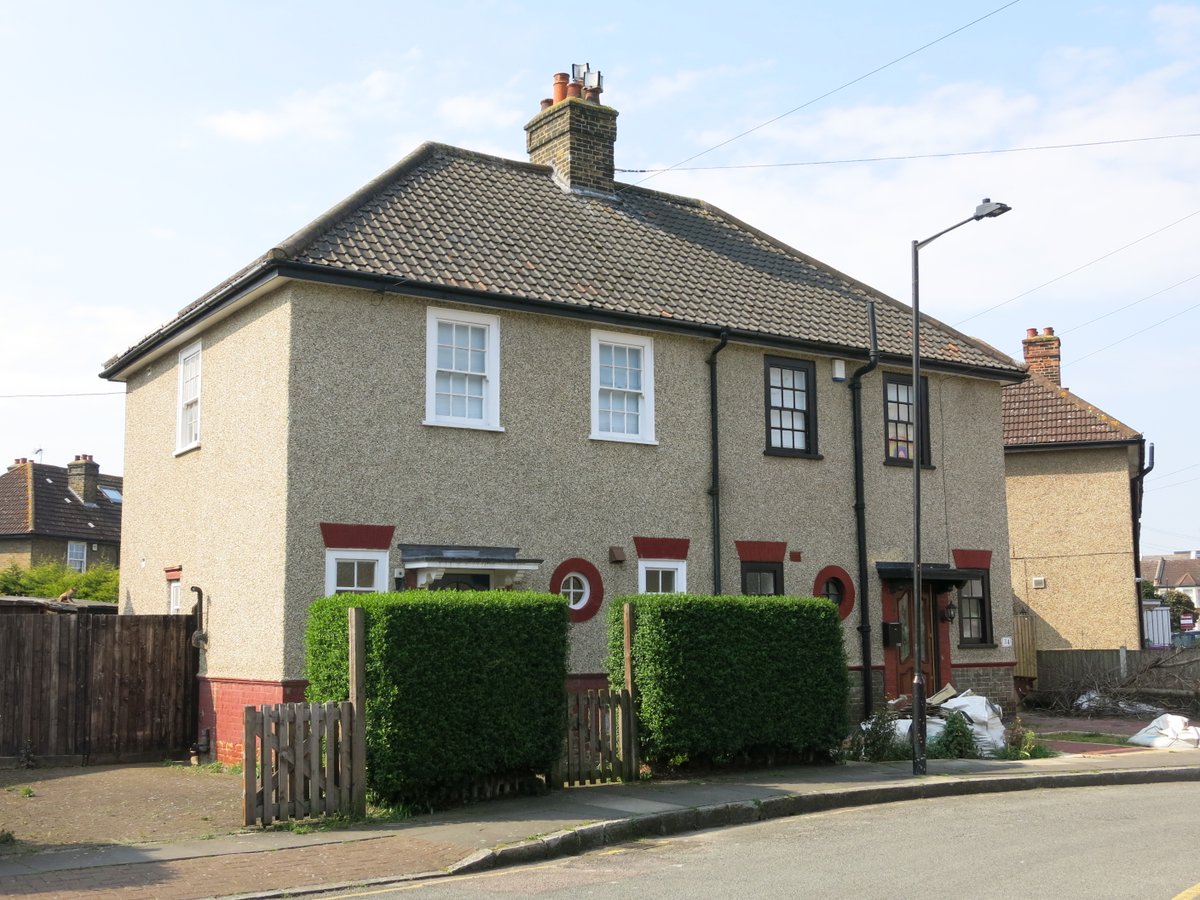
476, 372
1179, 571
68, 515
1073, 475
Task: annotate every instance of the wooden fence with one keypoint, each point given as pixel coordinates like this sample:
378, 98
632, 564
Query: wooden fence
599, 745
1166, 673
297, 761
309, 759
80, 689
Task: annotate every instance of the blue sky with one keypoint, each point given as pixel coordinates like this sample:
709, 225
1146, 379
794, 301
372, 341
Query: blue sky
152, 149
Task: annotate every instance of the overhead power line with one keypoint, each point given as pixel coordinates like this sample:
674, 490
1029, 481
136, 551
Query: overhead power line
1172, 472
835, 90
1076, 269
1133, 335
1129, 305
911, 156
42, 396
1163, 487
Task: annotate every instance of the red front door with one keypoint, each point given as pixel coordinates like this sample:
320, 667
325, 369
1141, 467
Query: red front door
906, 665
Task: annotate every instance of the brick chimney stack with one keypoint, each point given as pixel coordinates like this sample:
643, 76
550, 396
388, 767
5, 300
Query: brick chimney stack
574, 134
1043, 354
17, 463
82, 475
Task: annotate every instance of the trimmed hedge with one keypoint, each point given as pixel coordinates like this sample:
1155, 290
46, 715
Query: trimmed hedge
719, 677
461, 685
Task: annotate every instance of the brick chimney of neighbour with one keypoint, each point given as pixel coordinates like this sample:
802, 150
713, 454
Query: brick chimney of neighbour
1043, 354
574, 135
82, 475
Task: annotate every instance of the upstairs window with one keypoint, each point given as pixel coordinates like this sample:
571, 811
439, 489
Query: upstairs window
900, 411
791, 407
77, 555
187, 434
462, 369
622, 387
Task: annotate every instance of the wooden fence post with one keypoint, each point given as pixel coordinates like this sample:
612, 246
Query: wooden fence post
631, 761
358, 696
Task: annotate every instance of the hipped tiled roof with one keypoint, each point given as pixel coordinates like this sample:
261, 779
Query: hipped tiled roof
1172, 573
35, 500
1038, 411
448, 218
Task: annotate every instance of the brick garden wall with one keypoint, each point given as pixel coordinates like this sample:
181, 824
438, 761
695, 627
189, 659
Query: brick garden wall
993, 682
222, 701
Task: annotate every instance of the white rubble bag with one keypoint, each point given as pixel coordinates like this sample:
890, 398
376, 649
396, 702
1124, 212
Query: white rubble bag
1168, 732
984, 717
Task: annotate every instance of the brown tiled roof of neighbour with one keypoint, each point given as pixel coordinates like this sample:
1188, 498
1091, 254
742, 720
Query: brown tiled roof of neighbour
447, 218
1038, 411
1177, 573
35, 500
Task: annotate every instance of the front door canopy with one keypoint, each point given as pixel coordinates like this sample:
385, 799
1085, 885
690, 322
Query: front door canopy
897, 573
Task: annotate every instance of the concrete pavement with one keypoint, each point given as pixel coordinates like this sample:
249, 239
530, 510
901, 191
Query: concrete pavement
523, 829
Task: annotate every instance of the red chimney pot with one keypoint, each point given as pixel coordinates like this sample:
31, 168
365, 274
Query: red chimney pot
560, 87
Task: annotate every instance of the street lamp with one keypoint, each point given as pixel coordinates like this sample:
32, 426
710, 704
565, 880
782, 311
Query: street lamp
985, 210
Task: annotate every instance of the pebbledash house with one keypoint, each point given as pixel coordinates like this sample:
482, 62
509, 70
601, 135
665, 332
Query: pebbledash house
476, 372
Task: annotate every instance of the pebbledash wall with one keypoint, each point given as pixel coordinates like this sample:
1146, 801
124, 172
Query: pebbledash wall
332, 432
1083, 553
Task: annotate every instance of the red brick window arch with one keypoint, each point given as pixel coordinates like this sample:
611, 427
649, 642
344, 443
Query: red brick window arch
580, 582
835, 583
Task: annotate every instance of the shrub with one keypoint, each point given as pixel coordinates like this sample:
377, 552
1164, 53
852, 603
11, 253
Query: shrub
957, 740
460, 686
1021, 743
50, 580
876, 740
730, 675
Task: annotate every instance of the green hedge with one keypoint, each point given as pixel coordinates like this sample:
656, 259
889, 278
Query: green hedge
719, 677
51, 580
460, 685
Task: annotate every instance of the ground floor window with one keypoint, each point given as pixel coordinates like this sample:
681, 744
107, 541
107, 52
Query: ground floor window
762, 578
77, 555
662, 576
355, 571
975, 611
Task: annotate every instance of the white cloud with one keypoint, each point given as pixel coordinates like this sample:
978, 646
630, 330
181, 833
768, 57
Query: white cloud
474, 111
322, 115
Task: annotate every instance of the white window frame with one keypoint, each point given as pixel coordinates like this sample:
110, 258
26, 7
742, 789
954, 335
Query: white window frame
678, 566
491, 374
182, 445
645, 433
175, 597
82, 546
586, 586
334, 556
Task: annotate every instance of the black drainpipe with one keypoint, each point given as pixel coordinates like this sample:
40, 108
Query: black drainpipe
1136, 490
860, 510
714, 489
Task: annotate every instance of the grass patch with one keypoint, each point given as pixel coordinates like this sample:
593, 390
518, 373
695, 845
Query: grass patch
212, 768
1085, 737
376, 815
28, 792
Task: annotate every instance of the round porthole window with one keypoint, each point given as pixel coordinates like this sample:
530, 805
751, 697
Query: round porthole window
579, 581
835, 583
576, 589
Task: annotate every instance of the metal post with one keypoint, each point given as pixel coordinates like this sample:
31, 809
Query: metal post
357, 623
918, 693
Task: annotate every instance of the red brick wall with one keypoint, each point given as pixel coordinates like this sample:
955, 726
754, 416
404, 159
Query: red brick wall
221, 704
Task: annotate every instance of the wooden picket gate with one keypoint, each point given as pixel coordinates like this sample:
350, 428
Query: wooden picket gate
296, 761
599, 745
308, 759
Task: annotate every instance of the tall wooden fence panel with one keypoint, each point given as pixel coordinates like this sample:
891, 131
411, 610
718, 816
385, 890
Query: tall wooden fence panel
79, 689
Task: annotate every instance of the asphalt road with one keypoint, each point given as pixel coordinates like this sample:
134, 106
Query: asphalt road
1130, 841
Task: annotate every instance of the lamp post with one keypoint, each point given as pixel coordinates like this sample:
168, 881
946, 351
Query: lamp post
985, 210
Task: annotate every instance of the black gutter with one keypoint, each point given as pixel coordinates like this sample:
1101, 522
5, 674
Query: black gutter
714, 489
1136, 490
860, 510
1072, 445
319, 274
